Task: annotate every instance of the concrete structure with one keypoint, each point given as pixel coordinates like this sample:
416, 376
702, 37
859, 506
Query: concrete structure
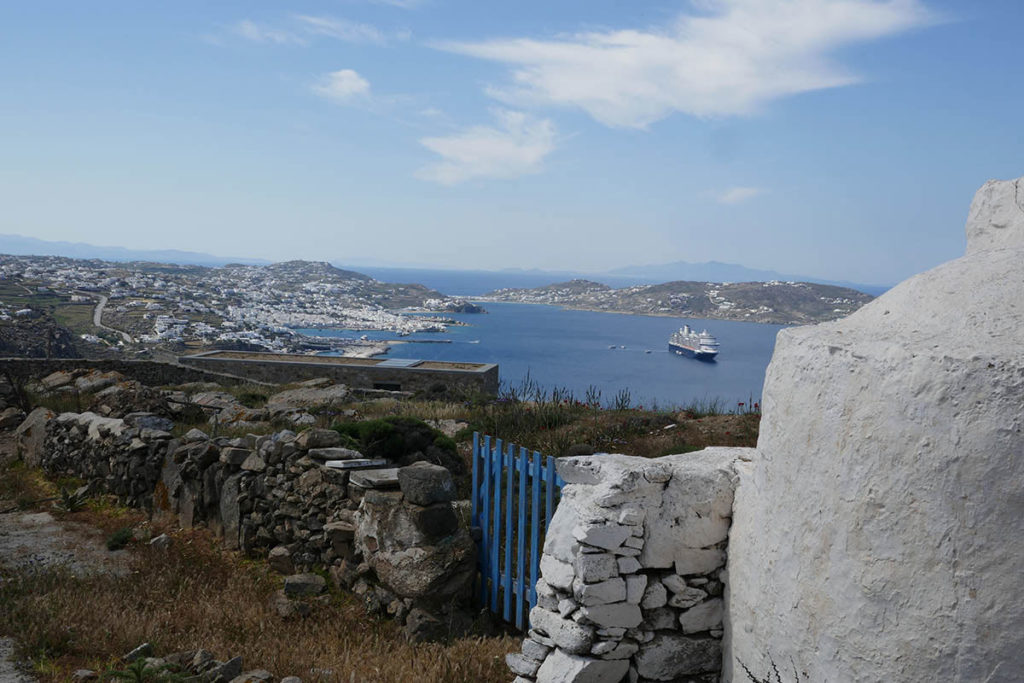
367, 373
878, 535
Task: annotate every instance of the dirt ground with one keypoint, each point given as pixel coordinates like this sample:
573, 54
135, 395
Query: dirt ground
37, 539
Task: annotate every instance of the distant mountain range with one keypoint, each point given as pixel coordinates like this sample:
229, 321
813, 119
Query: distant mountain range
449, 281
19, 245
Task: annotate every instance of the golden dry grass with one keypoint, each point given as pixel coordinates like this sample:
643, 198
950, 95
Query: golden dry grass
194, 596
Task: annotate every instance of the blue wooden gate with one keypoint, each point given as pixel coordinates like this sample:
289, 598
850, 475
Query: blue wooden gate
514, 495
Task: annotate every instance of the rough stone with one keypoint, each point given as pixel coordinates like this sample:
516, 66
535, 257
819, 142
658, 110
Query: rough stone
654, 596
334, 453
669, 656
317, 438
299, 585
621, 614
563, 667
425, 483
255, 676
607, 536
612, 590
557, 574
376, 479
566, 634
702, 617
31, 436
280, 560
687, 597
520, 665
594, 567
635, 587
11, 418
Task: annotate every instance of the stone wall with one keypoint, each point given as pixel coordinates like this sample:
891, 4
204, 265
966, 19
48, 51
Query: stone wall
481, 379
632, 574
389, 534
149, 372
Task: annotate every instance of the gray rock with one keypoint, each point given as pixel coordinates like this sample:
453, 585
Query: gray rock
607, 536
594, 567
225, 671
149, 421
31, 436
85, 675
161, 542
425, 483
534, 650
144, 650
334, 453
57, 379
233, 455
280, 560
11, 418
290, 679
612, 590
255, 676
254, 463
317, 438
193, 435
566, 634
299, 585
562, 667
669, 656
702, 617
376, 479
622, 614
520, 665
688, 597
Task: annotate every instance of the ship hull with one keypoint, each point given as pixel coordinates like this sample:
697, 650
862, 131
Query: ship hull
680, 350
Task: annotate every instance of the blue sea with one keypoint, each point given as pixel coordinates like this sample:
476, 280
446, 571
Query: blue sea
571, 349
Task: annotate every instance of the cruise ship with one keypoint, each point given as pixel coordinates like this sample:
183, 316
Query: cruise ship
686, 342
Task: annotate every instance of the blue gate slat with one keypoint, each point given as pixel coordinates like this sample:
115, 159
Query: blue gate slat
486, 525
496, 466
521, 538
535, 530
474, 508
510, 482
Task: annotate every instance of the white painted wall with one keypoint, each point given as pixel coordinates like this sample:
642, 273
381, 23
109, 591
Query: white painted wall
879, 534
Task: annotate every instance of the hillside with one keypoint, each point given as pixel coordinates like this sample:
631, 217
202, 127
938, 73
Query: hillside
763, 302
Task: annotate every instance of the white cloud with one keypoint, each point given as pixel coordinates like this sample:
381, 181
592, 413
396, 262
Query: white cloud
737, 195
304, 27
344, 85
731, 60
342, 29
516, 146
260, 34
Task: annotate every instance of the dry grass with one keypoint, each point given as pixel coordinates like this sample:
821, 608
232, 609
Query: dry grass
195, 596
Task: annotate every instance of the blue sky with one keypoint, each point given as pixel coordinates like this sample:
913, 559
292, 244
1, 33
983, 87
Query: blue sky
833, 138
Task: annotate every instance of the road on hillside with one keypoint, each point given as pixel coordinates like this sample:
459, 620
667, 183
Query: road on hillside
97, 317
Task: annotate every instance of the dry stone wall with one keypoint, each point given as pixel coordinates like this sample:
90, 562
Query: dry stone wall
389, 534
632, 575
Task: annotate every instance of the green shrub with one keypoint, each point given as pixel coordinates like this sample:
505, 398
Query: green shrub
403, 440
119, 539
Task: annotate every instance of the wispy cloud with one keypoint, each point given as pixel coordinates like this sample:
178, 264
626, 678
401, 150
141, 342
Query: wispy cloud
343, 30
515, 146
344, 86
302, 28
731, 60
262, 34
737, 195
404, 4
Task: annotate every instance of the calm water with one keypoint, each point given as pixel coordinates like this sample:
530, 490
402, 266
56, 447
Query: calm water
562, 348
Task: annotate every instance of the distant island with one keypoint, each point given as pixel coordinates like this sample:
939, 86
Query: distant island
762, 302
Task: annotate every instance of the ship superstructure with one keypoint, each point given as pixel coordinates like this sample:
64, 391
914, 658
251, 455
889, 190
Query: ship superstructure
687, 342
